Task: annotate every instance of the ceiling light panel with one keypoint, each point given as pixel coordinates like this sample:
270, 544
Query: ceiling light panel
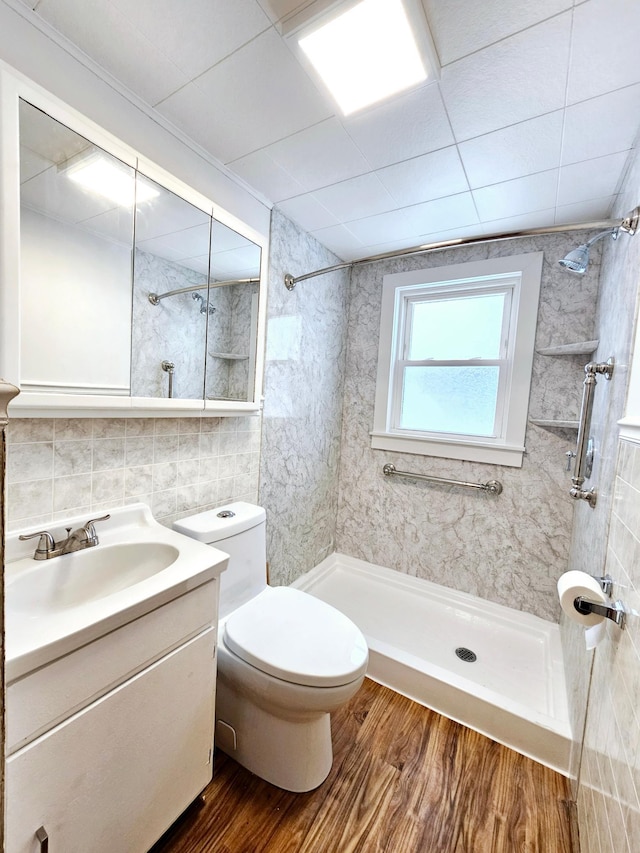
365, 54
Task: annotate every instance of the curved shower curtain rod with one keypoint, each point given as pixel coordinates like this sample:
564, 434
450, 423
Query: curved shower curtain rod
154, 298
629, 224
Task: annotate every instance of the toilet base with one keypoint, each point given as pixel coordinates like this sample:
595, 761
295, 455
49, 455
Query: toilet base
294, 754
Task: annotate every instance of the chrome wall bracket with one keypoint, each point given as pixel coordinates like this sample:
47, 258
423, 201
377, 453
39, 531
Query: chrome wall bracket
616, 611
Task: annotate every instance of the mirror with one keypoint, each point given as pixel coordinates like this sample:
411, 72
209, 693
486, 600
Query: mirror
169, 331
75, 311
127, 289
233, 317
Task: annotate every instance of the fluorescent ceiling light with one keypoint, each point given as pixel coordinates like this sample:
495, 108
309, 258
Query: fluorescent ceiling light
365, 54
112, 181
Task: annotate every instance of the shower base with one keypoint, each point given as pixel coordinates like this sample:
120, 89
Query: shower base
496, 670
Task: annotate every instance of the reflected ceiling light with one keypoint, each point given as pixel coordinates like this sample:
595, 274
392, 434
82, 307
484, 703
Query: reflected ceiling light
365, 54
109, 179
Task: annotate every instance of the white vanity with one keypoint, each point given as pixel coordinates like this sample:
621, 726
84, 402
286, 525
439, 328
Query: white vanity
110, 669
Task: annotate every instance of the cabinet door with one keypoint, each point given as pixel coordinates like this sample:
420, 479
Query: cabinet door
114, 776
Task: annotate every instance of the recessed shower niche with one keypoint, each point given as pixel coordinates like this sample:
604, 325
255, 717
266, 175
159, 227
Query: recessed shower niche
132, 294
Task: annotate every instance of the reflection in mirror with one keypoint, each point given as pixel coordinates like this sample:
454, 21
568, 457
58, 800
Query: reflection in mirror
76, 226
171, 264
233, 327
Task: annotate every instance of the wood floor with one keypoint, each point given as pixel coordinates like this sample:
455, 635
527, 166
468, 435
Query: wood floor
404, 780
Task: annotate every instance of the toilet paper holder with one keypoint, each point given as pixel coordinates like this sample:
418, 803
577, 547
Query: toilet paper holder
616, 611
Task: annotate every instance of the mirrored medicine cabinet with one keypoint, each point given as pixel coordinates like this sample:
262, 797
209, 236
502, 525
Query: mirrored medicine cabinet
134, 293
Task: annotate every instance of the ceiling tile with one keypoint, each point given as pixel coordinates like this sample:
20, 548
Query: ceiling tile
591, 179
585, 211
115, 225
66, 201
603, 125
457, 32
187, 243
401, 128
514, 80
320, 155
31, 164
355, 198
195, 34
339, 240
104, 34
522, 149
604, 52
539, 219
260, 172
307, 212
522, 195
424, 178
256, 96
451, 212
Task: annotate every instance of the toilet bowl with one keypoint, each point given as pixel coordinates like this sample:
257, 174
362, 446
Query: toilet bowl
286, 660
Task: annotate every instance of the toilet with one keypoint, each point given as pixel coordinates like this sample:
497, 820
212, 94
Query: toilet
286, 660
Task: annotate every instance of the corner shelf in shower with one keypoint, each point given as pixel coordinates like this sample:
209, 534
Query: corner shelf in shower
554, 424
230, 356
578, 348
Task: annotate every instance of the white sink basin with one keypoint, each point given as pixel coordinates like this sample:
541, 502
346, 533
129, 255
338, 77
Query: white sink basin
55, 606
75, 579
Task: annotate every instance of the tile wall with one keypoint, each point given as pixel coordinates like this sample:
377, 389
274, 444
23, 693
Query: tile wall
509, 549
609, 792
616, 314
302, 418
61, 467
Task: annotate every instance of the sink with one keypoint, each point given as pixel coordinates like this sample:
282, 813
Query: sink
74, 579
54, 606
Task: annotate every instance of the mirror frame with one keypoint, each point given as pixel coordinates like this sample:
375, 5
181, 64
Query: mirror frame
14, 87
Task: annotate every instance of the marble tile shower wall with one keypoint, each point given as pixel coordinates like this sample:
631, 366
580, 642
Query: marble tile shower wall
609, 793
510, 549
61, 467
302, 418
174, 330
616, 313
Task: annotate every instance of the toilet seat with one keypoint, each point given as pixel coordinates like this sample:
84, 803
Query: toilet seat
297, 638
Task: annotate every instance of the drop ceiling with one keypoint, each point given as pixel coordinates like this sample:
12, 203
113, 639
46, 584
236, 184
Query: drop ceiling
529, 123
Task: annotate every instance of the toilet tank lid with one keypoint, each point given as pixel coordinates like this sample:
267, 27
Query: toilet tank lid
221, 522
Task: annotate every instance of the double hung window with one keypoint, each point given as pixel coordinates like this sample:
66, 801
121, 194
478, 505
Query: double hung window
455, 356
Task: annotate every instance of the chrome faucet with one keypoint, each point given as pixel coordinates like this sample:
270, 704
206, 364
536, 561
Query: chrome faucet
78, 540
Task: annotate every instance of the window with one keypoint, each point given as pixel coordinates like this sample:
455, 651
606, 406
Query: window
455, 356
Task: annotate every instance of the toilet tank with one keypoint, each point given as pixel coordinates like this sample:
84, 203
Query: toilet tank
238, 529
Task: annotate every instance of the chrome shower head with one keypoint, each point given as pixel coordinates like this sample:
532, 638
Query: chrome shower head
578, 259
205, 307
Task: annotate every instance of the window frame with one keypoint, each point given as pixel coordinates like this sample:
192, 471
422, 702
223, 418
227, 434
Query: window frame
521, 275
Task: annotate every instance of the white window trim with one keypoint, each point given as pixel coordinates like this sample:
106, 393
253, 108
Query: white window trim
507, 449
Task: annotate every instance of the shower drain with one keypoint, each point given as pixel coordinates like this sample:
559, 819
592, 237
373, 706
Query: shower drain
466, 654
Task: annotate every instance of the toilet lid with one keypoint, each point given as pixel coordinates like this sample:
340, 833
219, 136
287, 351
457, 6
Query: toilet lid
298, 638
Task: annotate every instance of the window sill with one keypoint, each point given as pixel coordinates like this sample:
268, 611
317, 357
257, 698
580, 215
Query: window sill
492, 454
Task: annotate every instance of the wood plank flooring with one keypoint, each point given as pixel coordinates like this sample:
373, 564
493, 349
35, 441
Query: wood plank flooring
404, 780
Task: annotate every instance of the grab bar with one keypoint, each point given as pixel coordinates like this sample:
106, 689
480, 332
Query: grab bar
492, 486
591, 370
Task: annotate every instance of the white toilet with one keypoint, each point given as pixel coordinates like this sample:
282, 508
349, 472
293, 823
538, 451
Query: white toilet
285, 658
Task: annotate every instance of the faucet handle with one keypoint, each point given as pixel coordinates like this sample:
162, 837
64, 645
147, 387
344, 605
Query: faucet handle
92, 536
46, 544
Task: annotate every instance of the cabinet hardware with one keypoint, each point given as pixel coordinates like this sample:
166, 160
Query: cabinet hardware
43, 838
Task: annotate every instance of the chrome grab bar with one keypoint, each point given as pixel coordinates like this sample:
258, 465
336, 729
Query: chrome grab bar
591, 371
492, 486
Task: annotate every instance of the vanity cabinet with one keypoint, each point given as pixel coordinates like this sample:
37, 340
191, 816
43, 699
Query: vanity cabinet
109, 744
